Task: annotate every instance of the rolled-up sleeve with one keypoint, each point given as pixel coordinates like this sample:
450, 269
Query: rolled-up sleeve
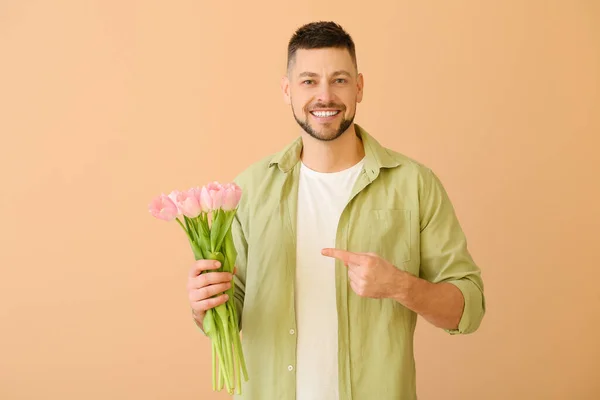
444, 253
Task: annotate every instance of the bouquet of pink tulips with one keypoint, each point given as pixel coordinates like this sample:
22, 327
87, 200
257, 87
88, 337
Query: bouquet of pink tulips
207, 215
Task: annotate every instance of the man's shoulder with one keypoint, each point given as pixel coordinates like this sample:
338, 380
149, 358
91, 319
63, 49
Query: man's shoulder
408, 164
394, 161
257, 181
408, 170
255, 171
422, 178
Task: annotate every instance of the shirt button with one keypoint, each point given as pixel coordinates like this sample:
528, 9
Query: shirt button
291, 331
290, 367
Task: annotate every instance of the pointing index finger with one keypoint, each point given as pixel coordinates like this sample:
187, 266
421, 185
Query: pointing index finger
347, 257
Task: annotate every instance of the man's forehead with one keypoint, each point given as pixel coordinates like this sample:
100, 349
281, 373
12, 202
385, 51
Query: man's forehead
319, 60
328, 53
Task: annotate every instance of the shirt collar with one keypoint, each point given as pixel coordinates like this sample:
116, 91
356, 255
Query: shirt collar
376, 156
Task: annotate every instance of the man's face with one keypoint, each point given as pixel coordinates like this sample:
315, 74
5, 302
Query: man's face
323, 88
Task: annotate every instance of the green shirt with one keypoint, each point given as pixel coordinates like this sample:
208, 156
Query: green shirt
398, 209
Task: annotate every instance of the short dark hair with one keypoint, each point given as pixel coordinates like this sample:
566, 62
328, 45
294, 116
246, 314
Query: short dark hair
319, 35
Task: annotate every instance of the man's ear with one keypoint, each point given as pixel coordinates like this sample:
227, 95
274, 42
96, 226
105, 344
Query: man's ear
285, 88
360, 85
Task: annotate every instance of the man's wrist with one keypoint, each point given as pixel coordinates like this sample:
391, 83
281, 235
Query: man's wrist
403, 287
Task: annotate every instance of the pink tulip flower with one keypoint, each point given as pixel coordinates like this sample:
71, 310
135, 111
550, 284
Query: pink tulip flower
187, 202
211, 197
162, 207
174, 195
231, 196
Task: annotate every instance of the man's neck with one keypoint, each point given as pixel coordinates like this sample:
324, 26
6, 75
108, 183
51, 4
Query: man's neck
332, 156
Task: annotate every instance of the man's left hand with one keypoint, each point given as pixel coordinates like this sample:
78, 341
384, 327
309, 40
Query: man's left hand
370, 275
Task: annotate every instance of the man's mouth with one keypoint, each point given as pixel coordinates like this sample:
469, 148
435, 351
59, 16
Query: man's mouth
325, 114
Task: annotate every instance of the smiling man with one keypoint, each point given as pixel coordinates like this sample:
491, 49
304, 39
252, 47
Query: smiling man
341, 244
325, 98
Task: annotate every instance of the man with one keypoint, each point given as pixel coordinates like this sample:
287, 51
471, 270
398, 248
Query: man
341, 243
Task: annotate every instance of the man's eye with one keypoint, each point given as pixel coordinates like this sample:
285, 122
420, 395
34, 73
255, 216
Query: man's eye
307, 82
340, 80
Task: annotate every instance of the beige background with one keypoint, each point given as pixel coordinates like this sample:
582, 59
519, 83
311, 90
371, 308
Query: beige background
103, 105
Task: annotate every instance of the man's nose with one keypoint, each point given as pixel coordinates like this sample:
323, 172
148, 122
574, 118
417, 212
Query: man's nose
325, 93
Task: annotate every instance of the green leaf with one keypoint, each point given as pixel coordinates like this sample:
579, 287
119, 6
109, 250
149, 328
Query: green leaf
203, 232
223, 224
194, 225
208, 323
187, 225
230, 251
215, 229
198, 253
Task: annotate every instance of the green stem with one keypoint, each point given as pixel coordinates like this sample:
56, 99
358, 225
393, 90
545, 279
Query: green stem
187, 226
220, 337
224, 322
183, 227
236, 354
208, 323
230, 256
195, 246
220, 386
214, 370
238, 347
217, 340
191, 228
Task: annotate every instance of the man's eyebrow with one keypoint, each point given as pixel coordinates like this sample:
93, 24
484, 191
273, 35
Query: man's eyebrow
308, 74
314, 74
341, 72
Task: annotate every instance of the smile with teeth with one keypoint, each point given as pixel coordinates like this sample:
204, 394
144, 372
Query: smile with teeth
323, 114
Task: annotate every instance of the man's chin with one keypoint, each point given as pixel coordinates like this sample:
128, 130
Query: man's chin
325, 132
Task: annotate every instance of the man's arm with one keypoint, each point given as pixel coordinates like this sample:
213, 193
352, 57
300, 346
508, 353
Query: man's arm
370, 275
441, 304
449, 291
446, 265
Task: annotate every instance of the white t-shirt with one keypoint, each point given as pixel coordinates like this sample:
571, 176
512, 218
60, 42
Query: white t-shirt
321, 200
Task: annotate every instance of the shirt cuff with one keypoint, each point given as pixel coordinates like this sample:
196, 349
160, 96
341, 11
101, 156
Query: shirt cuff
474, 307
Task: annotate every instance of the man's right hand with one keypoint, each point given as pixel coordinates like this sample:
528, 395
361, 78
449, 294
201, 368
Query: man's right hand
202, 286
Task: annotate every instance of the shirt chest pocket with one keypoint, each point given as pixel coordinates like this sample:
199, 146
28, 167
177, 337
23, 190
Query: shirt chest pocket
386, 232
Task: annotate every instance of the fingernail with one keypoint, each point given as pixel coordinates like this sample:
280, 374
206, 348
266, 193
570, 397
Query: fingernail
217, 264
